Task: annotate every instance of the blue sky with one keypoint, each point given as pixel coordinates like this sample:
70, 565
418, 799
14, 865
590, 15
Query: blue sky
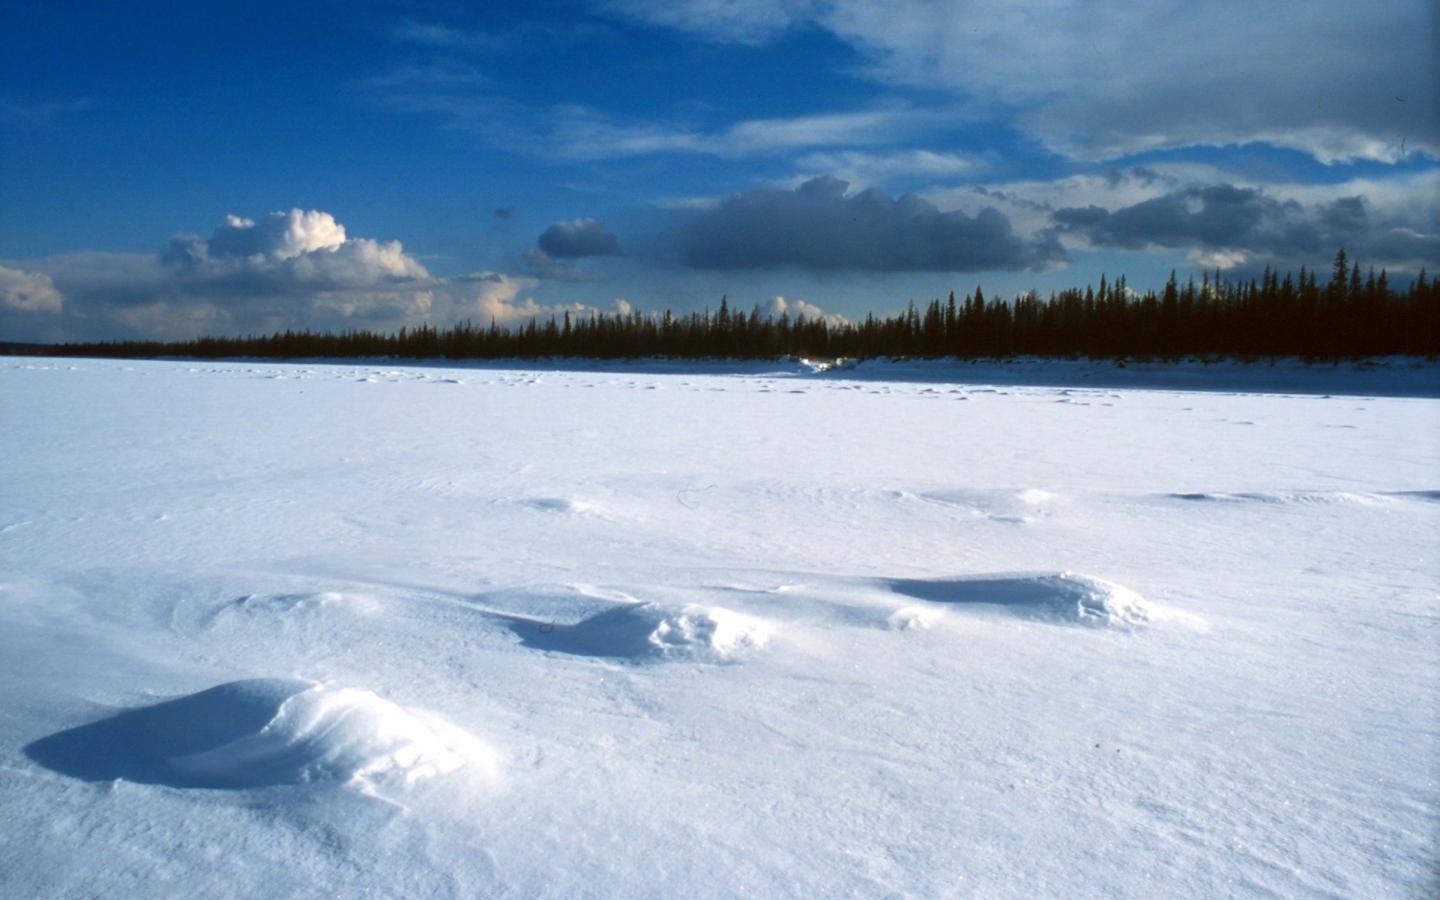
170, 169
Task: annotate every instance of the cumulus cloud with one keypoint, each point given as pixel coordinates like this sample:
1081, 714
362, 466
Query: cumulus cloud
30, 292
1227, 225
579, 238
1099, 79
796, 309
295, 253
294, 269
821, 227
497, 299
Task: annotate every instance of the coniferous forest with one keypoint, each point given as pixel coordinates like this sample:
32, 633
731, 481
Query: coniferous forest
1351, 315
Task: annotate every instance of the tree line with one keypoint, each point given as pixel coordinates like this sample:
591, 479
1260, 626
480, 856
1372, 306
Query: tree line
1352, 315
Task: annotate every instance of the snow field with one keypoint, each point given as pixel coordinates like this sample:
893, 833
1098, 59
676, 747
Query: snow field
380, 631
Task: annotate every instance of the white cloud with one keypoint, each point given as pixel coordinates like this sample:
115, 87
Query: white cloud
795, 309
1097, 79
496, 298
1218, 259
1228, 225
167, 320
1399, 205
1029, 203
864, 169
883, 125
289, 252
582, 133
295, 269
279, 236
31, 292
288, 270
572, 131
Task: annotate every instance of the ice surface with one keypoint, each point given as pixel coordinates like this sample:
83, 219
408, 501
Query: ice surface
921, 630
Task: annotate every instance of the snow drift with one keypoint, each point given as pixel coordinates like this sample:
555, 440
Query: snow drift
260, 733
1064, 597
651, 631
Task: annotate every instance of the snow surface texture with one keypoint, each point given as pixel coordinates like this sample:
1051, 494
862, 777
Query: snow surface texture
370, 630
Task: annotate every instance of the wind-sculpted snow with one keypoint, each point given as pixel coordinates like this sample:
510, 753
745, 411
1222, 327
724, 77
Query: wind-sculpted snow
318, 604
1065, 597
1016, 507
1282, 498
261, 733
729, 640
648, 631
559, 505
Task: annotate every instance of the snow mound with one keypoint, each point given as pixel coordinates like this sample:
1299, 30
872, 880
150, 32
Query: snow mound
1064, 597
911, 618
260, 733
1035, 497
650, 631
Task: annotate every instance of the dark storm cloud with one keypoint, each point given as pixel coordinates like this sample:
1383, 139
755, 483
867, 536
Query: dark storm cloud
579, 238
1226, 217
818, 226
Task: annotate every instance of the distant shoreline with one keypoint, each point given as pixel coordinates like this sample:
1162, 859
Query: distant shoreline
1394, 376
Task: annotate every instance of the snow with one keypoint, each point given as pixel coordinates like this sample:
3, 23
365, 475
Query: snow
1064, 597
641, 631
260, 732
918, 630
